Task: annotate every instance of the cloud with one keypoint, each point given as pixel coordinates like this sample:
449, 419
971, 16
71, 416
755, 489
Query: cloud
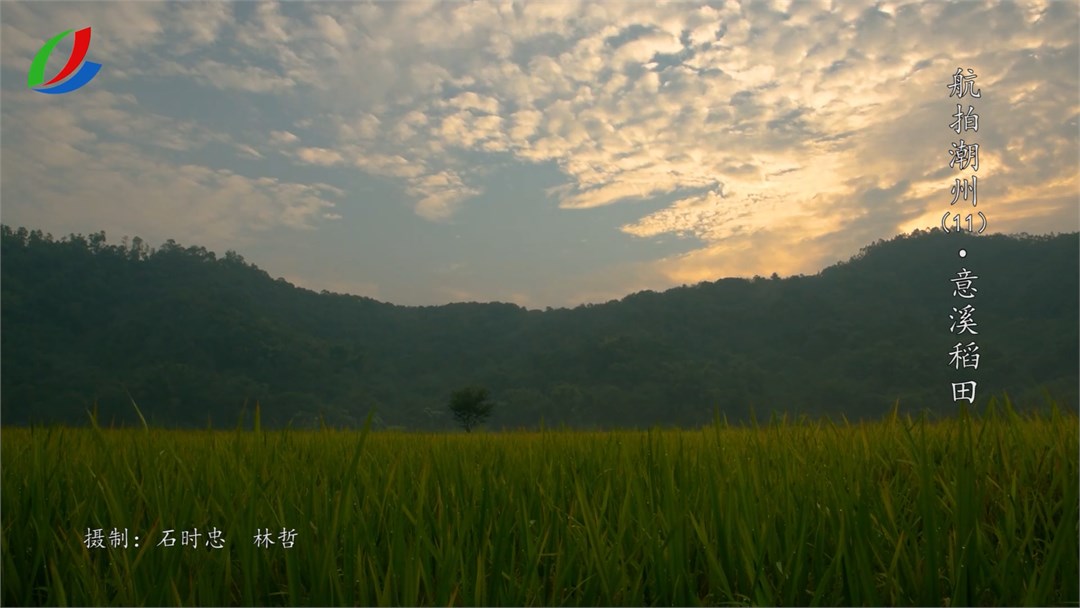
642, 50
252, 79
439, 194
775, 124
202, 22
248, 151
319, 156
331, 30
389, 165
283, 138
113, 164
761, 253
472, 101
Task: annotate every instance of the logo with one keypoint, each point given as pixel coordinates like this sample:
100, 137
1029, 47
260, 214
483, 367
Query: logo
36, 78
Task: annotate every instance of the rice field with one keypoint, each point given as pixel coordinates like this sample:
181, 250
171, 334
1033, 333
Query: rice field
968, 511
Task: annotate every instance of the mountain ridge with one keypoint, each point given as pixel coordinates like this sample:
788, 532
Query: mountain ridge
191, 337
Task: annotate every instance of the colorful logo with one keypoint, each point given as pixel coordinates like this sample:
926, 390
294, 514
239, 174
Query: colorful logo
36, 78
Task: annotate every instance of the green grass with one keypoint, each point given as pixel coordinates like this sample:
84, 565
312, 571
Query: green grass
960, 512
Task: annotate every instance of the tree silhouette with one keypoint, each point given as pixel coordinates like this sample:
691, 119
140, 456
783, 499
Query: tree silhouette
470, 406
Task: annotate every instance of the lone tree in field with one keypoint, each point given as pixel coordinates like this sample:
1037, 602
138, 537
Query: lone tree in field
470, 406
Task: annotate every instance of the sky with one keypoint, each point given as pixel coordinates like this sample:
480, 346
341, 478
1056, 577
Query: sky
540, 153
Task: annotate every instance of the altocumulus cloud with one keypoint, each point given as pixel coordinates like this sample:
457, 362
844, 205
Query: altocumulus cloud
767, 127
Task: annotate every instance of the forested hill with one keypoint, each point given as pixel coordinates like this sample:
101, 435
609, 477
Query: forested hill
192, 337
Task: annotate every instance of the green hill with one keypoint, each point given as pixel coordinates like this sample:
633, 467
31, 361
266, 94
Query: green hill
192, 337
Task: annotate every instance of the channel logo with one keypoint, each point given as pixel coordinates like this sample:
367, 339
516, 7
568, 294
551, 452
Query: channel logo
36, 77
